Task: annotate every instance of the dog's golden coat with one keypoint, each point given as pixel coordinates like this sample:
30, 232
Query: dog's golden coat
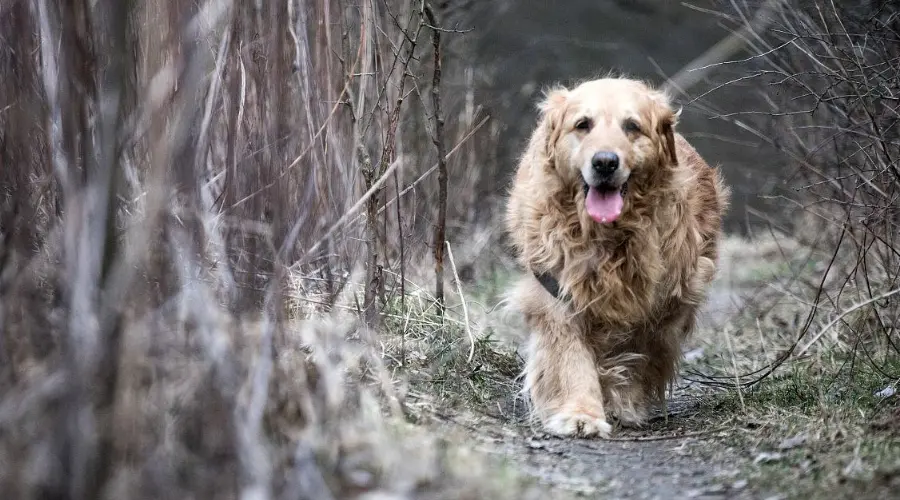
630, 289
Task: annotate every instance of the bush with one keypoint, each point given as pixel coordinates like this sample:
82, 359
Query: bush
170, 171
830, 72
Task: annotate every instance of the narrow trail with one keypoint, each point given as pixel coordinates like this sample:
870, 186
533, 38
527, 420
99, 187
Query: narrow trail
664, 461
679, 467
674, 457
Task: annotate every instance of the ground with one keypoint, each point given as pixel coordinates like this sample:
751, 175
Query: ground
810, 429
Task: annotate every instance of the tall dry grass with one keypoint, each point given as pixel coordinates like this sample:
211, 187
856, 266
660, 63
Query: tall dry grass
830, 75
170, 171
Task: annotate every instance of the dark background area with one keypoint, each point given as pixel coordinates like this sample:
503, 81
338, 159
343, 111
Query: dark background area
518, 48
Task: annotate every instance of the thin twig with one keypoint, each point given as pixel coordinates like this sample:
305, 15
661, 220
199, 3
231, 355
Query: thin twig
841, 316
402, 243
343, 220
350, 212
668, 437
696, 70
440, 225
463, 299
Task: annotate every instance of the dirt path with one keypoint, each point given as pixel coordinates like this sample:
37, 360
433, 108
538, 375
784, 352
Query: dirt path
633, 470
668, 460
679, 457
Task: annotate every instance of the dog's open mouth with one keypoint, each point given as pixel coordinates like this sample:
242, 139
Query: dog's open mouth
604, 202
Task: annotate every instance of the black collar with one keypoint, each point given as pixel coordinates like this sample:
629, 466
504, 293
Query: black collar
549, 283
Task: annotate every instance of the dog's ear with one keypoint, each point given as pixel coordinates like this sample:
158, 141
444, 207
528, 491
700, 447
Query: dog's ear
669, 137
666, 119
553, 111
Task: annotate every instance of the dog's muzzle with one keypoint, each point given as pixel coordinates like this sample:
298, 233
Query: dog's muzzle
605, 187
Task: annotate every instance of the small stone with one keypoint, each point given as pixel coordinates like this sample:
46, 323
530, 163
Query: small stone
766, 457
731, 472
793, 442
693, 355
716, 488
536, 445
739, 485
360, 478
886, 392
380, 495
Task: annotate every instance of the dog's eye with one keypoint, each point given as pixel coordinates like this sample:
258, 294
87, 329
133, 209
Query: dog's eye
583, 124
631, 126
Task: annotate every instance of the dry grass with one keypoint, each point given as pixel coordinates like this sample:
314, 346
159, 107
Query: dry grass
824, 420
814, 353
206, 208
830, 301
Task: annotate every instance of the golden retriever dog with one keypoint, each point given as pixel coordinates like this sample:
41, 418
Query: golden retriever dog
617, 219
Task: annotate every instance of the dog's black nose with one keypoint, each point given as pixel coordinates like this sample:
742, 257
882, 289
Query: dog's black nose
605, 162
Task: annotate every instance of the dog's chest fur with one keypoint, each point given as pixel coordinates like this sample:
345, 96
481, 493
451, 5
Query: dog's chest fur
628, 275
619, 285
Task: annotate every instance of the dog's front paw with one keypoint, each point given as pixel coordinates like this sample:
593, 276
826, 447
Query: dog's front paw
578, 422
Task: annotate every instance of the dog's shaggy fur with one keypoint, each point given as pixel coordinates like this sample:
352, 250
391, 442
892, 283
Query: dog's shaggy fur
610, 344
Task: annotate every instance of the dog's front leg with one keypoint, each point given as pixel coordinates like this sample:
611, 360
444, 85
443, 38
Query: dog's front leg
562, 380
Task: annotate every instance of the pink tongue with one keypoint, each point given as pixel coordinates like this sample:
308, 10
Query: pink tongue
603, 207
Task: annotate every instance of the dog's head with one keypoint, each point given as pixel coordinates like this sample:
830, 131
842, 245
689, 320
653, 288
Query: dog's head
609, 136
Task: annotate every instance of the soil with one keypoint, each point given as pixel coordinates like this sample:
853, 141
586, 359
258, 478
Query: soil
668, 460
